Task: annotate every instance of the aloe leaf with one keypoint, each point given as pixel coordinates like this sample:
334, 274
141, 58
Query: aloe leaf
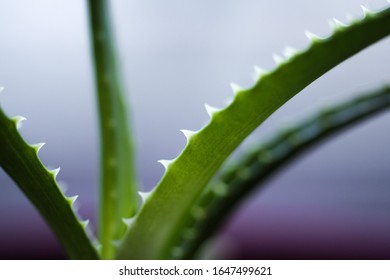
21, 162
164, 213
252, 171
119, 198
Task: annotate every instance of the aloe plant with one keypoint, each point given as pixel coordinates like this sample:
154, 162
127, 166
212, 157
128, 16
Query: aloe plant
197, 192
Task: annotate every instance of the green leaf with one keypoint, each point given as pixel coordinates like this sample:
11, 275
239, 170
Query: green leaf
118, 198
20, 161
255, 168
162, 216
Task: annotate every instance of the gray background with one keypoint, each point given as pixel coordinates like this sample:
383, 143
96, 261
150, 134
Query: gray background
176, 56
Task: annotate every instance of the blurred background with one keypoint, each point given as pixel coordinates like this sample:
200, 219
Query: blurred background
332, 203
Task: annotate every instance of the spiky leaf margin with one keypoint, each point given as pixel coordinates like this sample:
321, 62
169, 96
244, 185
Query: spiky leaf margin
21, 162
255, 168
154, 231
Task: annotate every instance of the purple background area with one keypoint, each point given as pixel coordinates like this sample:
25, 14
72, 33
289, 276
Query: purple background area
332, 203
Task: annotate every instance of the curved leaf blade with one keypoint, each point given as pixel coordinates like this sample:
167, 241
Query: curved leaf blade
255, 168
162, 216
21, 162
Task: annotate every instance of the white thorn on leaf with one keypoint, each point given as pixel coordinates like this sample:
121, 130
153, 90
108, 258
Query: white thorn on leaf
312, 37
55, 172
18, 120
210, 110
187, 133
165, 162
236, 88
144, 195
84, 223
289, 52
72, 199
277, 59
336, 24
365, 10
339, 23
259, 72
128, 221
1, 89
37, 147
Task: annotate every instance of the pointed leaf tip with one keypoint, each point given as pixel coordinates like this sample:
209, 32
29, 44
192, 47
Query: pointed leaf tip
210, 110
